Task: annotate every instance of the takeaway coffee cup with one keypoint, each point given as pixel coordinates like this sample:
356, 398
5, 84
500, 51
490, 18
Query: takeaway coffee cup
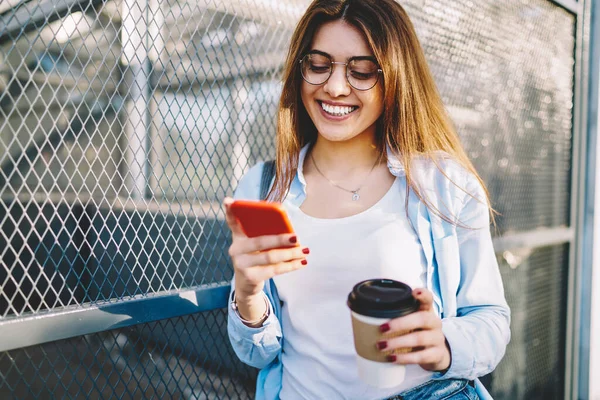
374, 302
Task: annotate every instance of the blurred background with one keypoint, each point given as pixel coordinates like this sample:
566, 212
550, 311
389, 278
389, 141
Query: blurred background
124, 123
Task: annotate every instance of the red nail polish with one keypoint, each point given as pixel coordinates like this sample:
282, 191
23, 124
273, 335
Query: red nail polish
384, 327
419, 292
391, 358
303, 262
381, 345
293, 239
306, 250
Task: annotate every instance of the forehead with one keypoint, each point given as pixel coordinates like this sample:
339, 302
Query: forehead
340, 40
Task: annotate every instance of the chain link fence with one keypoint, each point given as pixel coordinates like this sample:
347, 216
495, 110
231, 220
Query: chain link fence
124, 123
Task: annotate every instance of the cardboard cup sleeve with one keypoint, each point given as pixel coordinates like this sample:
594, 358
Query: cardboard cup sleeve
366, 337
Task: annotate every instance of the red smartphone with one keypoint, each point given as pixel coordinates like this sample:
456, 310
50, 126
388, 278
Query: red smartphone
259, 218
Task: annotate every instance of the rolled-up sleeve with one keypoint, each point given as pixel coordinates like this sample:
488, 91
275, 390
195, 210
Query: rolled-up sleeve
256, 347
480, 331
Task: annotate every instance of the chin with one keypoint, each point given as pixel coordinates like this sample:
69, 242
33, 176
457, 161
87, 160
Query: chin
336, 135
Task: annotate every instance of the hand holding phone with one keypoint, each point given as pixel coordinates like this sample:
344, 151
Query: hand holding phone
263, 245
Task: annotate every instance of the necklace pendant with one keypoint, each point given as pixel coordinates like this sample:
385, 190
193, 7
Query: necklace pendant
355, 196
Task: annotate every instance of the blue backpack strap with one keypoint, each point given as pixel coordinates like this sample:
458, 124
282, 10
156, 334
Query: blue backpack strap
268, 173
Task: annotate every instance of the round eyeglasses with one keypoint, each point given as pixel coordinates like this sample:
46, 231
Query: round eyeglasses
362, 73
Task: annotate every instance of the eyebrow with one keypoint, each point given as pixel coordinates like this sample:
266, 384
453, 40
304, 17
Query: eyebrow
371, 58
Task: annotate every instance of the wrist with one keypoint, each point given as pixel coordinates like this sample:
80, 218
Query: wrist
246, 293
250, 307
247, 299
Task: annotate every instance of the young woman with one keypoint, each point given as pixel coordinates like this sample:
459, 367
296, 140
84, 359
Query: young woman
376, 185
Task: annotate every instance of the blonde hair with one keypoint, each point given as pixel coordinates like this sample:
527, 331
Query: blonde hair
414, 121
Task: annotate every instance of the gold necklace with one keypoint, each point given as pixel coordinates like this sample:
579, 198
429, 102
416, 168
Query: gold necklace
355, 195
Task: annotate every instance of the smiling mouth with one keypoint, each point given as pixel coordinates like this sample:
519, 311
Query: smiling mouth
337, 111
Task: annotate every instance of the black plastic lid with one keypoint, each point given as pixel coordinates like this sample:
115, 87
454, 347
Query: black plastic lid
382, 298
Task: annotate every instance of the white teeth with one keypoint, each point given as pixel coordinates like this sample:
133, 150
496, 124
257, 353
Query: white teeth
336, 110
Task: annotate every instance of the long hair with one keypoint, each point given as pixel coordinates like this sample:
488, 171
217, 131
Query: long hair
414, 121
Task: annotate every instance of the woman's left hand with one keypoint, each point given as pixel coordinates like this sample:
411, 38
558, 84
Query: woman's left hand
429, 346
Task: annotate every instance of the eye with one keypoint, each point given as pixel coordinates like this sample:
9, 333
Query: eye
362, 75
319, 68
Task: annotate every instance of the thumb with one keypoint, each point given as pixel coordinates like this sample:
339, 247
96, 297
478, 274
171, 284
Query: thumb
425, 298
232, 222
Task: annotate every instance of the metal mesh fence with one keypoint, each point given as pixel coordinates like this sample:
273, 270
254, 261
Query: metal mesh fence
123, 126
181, 358
509, 90
533, 367
124, 123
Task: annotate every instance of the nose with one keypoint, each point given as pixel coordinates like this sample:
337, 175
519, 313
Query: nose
337, 85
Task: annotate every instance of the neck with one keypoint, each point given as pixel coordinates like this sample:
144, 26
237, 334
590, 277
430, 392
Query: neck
347, 157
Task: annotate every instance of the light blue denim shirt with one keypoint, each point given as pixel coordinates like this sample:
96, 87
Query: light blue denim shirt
462, 273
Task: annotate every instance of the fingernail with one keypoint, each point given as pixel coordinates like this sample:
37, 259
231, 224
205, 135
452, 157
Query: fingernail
303, 262
418, 292
306, 250
293, 239
381, 345
384, 327
391, 358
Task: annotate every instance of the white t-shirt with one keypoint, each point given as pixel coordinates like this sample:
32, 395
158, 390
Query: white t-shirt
318, 349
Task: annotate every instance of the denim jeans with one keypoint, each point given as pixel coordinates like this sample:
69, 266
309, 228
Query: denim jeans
447, 389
